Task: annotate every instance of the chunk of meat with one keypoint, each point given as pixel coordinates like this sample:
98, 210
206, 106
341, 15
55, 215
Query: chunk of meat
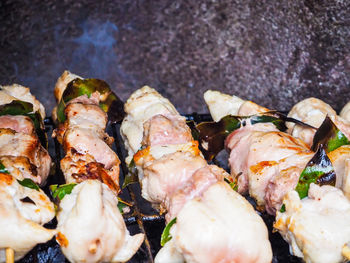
317, 228
87, 141
17, 123
62, 83
20, 144
345, 112
218, 226
142, 105
200, 181
100, 236
78, 167
165, 130
165, 175
18, 92
23, 211
20, 167
311, 111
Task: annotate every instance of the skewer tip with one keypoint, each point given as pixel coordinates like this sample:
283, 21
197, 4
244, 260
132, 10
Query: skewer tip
10, 255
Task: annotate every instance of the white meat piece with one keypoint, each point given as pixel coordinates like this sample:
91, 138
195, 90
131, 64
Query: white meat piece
91, 228
18, 123
219, 226
251, 108
311, 111
317, 228
345, 112
20, 224
165, 175
221, 105
62, 83
18, 92
142, 105
20, 144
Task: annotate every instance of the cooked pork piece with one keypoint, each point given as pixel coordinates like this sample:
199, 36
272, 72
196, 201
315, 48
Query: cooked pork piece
19, 144
317, 228
142, 105
18, 92
91, 228
218, 226
23, 211
167, 174
17, 123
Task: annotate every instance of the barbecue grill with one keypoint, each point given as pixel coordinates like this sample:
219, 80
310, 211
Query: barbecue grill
142, 217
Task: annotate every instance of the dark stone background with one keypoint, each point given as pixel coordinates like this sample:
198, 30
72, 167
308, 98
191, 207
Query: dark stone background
273, 53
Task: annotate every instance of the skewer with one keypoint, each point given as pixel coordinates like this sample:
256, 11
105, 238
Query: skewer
10, 255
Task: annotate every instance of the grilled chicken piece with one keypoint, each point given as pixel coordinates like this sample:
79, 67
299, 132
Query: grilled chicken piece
87, 141
142, 105
200, 181
219, 226
167, 174
87, 116
317, 228
20, 144
221, 105
100, 236
165, 130
20, 167
17, 123
78, 167
18, 92
23, 211
262, 157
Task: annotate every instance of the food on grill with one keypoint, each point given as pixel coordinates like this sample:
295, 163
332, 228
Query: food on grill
24, 207
90, 226
175, 176
275, 161
345, 112
317, 228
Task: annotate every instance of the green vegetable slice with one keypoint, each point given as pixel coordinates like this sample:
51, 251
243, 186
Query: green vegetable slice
330, 136
3, 169
132, 175
17, 107
319, 170
28, 183
61, 191
166, 232
110, 103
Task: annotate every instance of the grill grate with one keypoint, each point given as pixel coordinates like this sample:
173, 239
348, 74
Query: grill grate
142, 218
